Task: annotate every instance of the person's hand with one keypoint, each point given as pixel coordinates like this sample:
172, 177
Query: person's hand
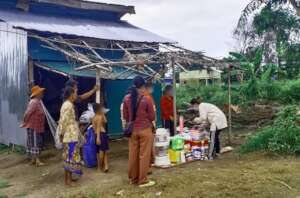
197, 120
22, 125
96, 88
98, 140
171, 118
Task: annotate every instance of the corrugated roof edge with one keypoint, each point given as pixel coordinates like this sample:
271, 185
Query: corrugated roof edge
90, 5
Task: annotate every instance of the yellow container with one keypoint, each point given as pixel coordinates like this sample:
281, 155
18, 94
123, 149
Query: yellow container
175, 156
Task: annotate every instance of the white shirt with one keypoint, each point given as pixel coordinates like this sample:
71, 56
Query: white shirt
213, 115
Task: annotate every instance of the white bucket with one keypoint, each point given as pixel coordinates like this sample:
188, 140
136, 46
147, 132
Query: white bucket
162, 138
162, 161
161, 151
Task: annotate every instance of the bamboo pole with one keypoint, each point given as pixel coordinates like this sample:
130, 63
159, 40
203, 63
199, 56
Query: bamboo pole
174, 93
119, 63
30, 74
229, 103
98, 83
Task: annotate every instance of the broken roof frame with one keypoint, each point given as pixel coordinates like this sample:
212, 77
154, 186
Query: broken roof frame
131, 63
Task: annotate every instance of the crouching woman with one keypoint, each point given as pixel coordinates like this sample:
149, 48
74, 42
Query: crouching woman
69, 135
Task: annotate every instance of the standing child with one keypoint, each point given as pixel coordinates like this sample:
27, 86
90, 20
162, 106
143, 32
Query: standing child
99, 122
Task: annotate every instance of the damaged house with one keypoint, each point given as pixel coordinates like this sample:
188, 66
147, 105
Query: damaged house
45, 42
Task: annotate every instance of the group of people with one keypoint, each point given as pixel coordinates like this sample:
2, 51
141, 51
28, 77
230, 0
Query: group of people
138, 108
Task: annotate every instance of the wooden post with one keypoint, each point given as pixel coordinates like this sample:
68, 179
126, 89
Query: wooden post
174, 94
98, 83
30, 74
229, 103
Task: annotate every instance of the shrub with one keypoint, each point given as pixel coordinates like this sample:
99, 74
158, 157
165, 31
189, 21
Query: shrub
290, 91
282, 136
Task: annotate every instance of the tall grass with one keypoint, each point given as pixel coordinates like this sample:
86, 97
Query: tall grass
282, 136
284, 92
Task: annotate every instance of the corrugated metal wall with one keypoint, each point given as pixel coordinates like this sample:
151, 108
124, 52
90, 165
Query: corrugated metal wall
115, 90
13, 86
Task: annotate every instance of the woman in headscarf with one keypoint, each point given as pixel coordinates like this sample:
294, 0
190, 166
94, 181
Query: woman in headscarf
70, 135
34, 122
139, 110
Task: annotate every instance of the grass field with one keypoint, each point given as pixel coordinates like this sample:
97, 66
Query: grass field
256, 175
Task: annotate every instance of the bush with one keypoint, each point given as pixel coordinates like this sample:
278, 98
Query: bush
213, 94
290, 91
282, 137
284, 92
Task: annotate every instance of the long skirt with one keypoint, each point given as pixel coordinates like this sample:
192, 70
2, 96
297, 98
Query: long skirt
72, 158
34, 143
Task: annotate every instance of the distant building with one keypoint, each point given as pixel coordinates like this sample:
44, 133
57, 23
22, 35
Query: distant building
37, 38
202, 76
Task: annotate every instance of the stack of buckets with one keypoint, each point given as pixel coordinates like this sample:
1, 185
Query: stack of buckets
162, 142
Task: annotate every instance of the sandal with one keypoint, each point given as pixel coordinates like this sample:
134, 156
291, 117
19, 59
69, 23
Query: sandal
148, 184
38, 164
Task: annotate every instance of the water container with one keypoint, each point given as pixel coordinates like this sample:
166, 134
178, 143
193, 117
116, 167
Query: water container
163, 161
162, 138
177, 143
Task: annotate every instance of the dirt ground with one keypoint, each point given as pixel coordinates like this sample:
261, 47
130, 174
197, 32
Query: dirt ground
256, 175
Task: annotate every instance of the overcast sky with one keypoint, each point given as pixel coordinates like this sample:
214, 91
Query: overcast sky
202, 25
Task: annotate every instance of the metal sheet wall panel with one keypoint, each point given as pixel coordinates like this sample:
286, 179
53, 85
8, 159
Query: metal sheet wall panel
115, 90
13, 86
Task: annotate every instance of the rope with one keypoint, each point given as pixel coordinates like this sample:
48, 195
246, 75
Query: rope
53, 127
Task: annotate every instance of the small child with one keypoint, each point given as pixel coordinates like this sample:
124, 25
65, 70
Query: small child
102, 140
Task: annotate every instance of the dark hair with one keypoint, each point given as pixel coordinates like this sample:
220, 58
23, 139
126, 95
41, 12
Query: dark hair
97, 107
149, 84
138, 82
195, 101
168, 88
71, 83
68, 91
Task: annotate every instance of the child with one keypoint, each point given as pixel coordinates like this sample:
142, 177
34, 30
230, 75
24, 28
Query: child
98, 123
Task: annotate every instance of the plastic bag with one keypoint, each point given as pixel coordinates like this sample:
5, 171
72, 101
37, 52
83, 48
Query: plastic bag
90, 149
87, 116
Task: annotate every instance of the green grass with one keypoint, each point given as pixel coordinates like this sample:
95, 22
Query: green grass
4, 184
20, 195
280, 137
2, 195
3, 148
283, 92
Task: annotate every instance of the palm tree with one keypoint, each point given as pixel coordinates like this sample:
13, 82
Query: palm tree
271, 27
255, 5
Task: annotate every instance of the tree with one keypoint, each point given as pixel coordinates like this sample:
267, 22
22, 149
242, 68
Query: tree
272, 30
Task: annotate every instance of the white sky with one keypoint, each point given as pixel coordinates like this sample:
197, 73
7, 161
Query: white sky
201, 25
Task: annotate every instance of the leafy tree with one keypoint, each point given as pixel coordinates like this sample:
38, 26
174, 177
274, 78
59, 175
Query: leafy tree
270, 36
